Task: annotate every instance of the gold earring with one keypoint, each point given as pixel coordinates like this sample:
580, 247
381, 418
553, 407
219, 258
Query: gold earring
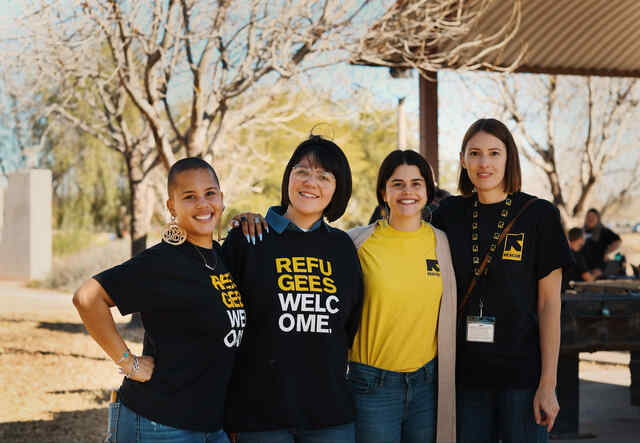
386, 213
174, 234
219, 220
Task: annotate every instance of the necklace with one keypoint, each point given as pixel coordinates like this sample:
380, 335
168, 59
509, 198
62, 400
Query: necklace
475, 236
206, 265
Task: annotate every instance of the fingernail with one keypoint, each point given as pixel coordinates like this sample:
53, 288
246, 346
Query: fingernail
260, 235
267, 229
253, 239
247, 237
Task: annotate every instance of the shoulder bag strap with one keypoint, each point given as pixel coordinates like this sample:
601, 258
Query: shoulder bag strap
485, 260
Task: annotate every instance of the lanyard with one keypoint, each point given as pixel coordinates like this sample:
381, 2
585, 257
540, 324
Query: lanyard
475, 236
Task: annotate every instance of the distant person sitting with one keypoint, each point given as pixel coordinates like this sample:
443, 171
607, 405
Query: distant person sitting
579, 270
599, 241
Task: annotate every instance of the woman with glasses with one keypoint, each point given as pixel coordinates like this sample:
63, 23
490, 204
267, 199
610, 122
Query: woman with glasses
302, 286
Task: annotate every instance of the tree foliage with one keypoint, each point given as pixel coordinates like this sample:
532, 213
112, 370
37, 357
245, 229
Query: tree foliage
366, 131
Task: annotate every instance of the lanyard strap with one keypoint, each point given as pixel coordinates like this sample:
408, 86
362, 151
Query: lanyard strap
475, 236
487, 257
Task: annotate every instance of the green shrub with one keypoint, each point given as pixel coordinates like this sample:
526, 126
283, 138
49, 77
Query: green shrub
67, 242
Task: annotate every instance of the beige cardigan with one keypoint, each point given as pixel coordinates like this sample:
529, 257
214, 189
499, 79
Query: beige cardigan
446, 418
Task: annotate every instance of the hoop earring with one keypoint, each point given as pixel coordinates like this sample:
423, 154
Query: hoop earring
173, 233
386, 213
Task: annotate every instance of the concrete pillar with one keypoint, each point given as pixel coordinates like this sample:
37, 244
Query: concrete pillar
25, 246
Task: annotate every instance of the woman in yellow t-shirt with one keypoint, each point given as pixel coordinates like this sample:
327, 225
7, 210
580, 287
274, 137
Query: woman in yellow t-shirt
408, 317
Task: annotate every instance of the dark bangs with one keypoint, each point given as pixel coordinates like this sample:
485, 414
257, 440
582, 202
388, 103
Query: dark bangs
407, 157
327, 155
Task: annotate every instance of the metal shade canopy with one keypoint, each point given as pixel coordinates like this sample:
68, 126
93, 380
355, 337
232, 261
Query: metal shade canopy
571, 37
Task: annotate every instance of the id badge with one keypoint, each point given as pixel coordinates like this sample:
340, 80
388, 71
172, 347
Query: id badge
481, 329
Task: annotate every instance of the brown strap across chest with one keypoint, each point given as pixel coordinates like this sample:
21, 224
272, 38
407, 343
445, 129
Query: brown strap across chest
485, 260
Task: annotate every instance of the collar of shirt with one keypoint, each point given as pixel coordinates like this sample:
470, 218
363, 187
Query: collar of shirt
280, 223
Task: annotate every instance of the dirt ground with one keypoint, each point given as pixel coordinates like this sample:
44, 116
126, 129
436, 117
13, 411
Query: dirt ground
54, 379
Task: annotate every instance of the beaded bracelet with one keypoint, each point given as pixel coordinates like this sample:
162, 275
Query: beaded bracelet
134, 369
126, 354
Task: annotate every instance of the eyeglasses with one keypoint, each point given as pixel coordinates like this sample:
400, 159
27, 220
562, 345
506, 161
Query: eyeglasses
322, 177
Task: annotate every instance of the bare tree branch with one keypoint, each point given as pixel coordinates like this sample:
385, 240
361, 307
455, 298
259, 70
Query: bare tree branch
605, 130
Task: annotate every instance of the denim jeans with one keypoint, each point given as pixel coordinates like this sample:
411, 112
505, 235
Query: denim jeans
394, 407
488, 415
125, 426
333, 434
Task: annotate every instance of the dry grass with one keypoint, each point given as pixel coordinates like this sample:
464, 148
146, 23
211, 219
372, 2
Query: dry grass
69, 271
54, 379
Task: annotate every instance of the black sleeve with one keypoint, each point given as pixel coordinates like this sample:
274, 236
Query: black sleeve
232, 251
438, 218
552, 244
609, 237
130, 284
581, 264
353, 321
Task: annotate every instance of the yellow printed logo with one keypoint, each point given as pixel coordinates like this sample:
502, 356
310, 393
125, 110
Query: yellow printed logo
229, 291
513, 247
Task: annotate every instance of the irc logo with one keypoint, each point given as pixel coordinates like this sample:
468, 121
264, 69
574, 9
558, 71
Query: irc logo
433, 268
513, 246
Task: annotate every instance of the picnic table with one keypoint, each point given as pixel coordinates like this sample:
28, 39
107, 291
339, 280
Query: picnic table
596, 316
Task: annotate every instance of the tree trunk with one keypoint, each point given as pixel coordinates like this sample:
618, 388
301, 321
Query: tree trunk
141, 210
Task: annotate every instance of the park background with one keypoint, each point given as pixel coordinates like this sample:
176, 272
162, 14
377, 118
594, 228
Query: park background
54, 114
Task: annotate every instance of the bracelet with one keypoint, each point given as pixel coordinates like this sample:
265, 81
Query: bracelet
134, 369
126, 354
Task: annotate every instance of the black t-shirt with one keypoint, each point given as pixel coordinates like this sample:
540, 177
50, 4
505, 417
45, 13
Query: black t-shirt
193, 320
594, 249
574, 271
535, 246
303, 292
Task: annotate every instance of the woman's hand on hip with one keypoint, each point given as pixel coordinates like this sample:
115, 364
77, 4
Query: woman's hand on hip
140, 371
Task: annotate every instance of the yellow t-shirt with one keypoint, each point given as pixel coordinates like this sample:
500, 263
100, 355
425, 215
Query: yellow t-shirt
403, 288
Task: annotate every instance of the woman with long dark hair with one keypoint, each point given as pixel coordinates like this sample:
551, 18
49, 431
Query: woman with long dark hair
402, 363
508, 252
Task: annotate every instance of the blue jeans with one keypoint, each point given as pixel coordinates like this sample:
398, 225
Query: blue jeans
125, 426
394, 407
333, 434
487, 415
